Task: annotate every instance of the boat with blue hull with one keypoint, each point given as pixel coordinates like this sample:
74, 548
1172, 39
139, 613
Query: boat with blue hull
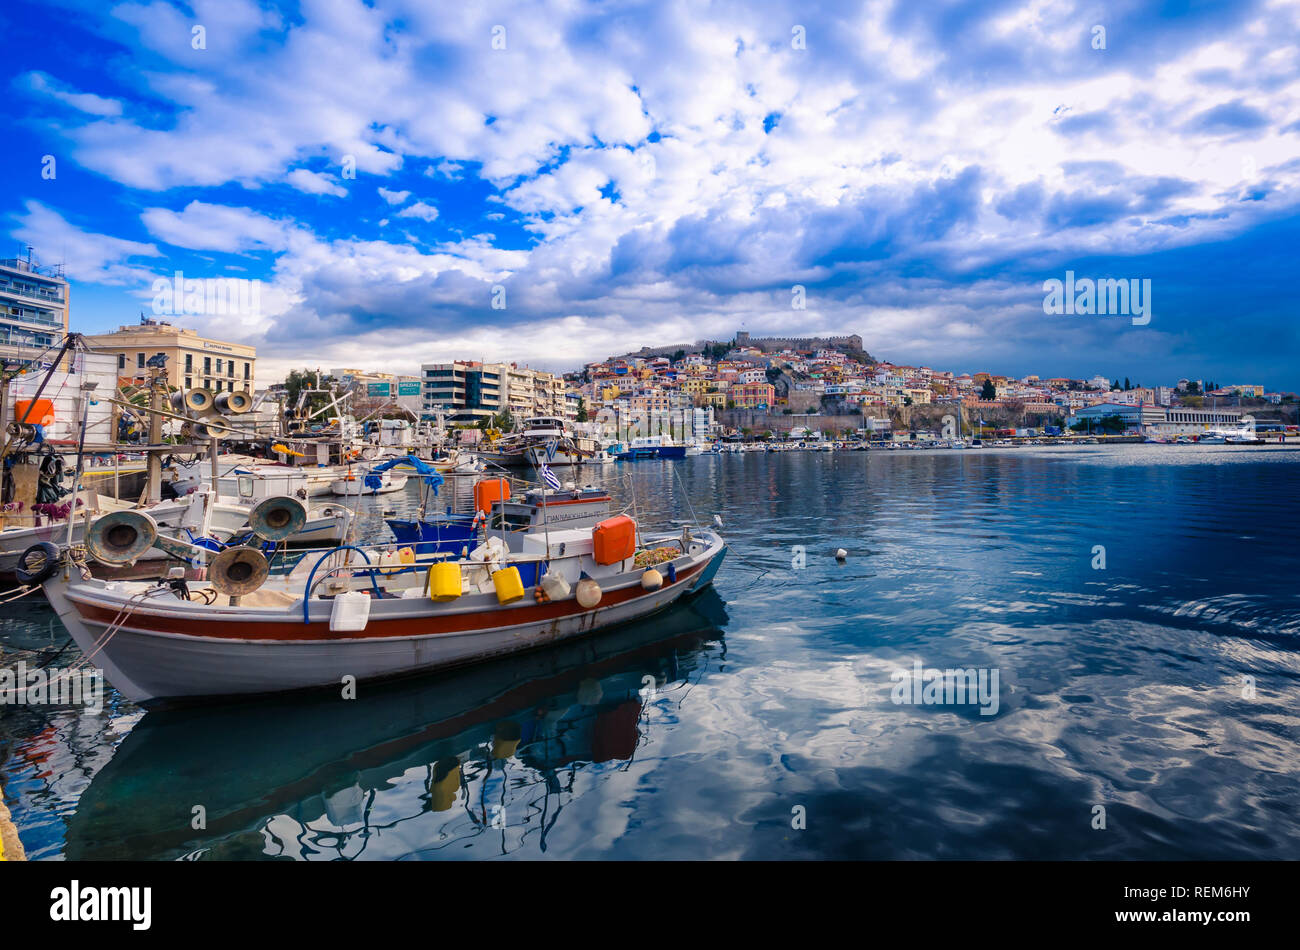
648, 447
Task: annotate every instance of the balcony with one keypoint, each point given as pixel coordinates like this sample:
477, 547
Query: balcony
27, 292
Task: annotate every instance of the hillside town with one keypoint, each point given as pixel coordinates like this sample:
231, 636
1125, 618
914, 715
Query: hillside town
745, 387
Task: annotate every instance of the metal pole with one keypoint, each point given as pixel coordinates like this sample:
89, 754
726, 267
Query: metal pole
87, 389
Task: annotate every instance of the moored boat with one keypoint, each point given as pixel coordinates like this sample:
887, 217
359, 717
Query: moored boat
241, 632
368, 483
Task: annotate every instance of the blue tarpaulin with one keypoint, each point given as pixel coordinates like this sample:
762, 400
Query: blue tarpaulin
431, 476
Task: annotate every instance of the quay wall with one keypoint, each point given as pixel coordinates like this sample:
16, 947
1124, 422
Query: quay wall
780, 422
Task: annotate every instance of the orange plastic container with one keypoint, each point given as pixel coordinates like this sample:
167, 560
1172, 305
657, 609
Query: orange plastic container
488, 492
41, 411
614, 539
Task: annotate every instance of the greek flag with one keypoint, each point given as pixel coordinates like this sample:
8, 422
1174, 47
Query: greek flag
548, 476
550, 451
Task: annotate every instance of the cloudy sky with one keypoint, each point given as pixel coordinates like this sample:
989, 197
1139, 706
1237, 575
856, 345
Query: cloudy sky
646, 173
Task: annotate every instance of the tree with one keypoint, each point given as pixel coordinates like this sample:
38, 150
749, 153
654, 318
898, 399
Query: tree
1111, 424
773, 374
582, 410
1127, 384
989, 391
296, 382
678, 356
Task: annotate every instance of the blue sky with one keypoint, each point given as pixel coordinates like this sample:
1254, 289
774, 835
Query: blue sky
648, 173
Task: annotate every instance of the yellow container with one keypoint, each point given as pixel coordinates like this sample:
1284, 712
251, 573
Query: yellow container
509, 585
444, 581
406, 556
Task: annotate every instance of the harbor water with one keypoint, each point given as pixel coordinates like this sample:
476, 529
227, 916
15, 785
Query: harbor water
1130, 613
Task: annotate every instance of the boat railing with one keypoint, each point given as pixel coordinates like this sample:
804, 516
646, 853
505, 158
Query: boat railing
370, 570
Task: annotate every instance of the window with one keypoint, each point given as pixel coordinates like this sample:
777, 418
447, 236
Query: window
247, 369
189, 383
218, 365
230, 368
207, 366
189, 363
121, 361
139, 361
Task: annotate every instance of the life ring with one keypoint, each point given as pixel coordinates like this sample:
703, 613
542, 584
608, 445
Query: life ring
43, 570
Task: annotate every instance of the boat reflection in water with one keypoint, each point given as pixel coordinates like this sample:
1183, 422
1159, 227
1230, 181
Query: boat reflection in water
405, 770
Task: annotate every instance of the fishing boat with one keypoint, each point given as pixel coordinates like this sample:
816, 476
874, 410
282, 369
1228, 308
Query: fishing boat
370, 483
243, 632
537, 510
649, 447
180, 516
242, 487
542, 439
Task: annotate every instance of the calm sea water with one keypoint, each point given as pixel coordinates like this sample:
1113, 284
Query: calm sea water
759, 720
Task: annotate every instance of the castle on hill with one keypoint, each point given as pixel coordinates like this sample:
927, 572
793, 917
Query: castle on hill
767, 344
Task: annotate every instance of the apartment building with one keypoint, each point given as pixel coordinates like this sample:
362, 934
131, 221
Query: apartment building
469, 391
33, 308
464, 391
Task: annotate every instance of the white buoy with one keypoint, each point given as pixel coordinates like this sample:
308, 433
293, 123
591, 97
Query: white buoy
652, 580
588, 592
841, 554
717, 519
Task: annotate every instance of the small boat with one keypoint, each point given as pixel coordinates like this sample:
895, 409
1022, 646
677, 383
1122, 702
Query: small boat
649, 447
240, 489
179, 515
370, 483
242, 632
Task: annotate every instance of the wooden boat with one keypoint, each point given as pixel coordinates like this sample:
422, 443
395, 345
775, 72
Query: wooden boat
243, 633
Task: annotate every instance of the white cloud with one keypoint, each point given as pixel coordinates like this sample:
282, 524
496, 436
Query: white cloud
96, 258
424, 212
314, 183
394, 197
210, 227
445, 169
87, 102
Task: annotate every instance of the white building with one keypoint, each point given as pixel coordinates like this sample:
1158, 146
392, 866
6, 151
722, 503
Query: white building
33, 308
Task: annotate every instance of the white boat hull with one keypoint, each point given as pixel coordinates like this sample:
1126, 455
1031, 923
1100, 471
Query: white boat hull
169, 515
351, 486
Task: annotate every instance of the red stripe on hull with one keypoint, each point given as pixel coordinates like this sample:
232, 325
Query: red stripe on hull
377, 629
